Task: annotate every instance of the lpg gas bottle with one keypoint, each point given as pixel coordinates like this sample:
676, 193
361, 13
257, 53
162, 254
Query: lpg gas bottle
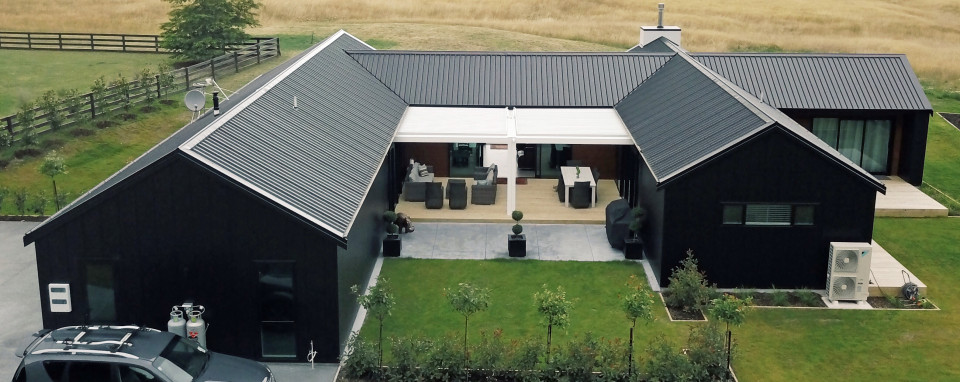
177, 325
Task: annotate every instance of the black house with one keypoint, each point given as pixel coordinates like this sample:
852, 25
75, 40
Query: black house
268, 213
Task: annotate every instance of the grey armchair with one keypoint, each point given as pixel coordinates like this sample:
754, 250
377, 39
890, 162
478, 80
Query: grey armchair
484, 189
414, 186
433, 198
580, 195
458, 195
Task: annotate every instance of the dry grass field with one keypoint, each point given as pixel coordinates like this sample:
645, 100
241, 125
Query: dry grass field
926, 30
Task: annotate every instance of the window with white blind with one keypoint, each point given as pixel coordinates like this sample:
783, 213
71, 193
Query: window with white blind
767, 214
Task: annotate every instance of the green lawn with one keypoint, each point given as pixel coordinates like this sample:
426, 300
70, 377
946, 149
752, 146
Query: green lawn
776, 344
942, 165
29, 73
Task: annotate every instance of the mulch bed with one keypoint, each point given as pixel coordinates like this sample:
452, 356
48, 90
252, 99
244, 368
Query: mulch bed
167, 102
685, 315
149, 109
793, 300
103, 124
954, 119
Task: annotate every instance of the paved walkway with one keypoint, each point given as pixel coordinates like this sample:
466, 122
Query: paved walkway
483, 241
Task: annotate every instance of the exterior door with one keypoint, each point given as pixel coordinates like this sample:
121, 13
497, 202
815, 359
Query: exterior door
278, 327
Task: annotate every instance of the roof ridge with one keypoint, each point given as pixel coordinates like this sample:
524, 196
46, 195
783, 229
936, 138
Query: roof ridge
498, 53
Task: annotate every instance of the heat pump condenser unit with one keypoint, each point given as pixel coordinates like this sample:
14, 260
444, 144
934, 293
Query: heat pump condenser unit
848, 273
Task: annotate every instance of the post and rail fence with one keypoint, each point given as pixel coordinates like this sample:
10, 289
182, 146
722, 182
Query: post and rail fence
103, 42
116, 96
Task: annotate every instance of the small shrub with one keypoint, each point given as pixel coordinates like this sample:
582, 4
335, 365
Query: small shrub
707, 352
20, 201
517, 228
525, 358
613, 360
27, 152
922, 302
165, 77
81, 132
99, 91
145, 81
361, 358
667, 364
490, 353
73, 103
580, 358
779, 298
408, 359
4, 163
895, 301
123, 90
49, 104
6, 139
25, 118
40, 202
688, 286
808, 298
445, 361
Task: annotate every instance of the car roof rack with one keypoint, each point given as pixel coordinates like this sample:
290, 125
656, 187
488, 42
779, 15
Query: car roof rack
85, 351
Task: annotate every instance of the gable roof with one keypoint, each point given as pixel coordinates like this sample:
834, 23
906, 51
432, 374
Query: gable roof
510, 79
686, 114
253, 143
660, 45
320, 158
823, 81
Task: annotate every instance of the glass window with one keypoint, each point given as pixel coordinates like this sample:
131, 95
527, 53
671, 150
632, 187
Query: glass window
803, 215
732, 214
278, 336
826, 130
876, 146
135, 374
54, 369
88, 372
183, 357
101, 299
768, 214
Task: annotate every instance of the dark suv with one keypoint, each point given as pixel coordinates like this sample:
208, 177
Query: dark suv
128, 354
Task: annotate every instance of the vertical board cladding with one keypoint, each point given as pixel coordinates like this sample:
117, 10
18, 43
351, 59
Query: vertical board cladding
652, 199
356, 261
432, 154
178, 232
602, 157
914, 146
772, 167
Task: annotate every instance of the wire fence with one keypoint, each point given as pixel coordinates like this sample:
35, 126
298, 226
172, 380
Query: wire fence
122, 94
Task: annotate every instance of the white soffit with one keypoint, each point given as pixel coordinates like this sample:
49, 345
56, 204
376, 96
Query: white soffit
453, 124
533, 125
597, 126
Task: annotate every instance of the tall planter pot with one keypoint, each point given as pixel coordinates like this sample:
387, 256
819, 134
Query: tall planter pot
517, 245
633, 248
392, 245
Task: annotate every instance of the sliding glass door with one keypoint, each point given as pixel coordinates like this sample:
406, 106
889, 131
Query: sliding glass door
864, 142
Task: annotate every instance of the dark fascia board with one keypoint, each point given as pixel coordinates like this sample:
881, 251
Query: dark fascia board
774, 126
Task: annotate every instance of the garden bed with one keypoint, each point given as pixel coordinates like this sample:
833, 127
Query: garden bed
677, 314
784, 299
897, 303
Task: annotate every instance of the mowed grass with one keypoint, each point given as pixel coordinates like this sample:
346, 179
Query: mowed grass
775, 344
91, 159
29, 73
925, 30
422, 309
942, 163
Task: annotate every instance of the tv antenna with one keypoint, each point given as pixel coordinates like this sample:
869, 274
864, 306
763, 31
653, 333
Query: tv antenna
210, 82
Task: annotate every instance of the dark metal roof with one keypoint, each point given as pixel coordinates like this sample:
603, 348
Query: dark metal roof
160, 151
510, 79
319, 159
680, 116
660, 45
823, 81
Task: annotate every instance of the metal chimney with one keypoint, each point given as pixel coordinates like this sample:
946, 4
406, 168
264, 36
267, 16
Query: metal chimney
660, 17
216, 103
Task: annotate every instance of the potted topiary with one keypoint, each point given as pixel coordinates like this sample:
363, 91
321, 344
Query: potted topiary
633, 243
391, 243
517, 242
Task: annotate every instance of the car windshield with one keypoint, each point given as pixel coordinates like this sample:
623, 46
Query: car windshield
182, 360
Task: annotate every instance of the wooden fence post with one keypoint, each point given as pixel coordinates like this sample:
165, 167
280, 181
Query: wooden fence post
158, 85
213, 70
236, 62
93, 107
123, 42
278, 45
29, 42
9, 120
60, 40
91, 42
156, 43
258, 53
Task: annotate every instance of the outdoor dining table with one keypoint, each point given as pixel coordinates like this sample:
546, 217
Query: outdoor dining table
569, 174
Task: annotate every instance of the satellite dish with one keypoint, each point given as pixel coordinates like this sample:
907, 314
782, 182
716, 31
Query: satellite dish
194, 100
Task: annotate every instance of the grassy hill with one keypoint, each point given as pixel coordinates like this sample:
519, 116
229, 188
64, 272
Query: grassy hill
926, 30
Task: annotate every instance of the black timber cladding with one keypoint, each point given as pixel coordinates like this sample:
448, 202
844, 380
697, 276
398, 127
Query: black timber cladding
818, 81
680, 116
510, 79
321, 157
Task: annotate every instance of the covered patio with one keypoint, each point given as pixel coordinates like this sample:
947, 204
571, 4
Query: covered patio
500, 130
